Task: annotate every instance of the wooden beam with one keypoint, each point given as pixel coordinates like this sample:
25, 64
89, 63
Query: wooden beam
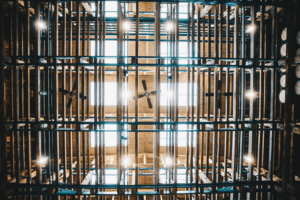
88, 9
89, 175
205, 10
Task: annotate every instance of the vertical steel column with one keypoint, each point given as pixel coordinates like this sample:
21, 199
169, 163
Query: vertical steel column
136, 103
272, 98
157, 99
235, 98
197, 150
64, 43
96, 96
215, 105
37, 97
203, 61
176, 71
55, 92
188, 95
3, 159
16, 91
192, 81
70, 88
242, 101
119, 92
78, 21
226, 97
219, 93
261, 97
251, 195
83, 92
208, 90
27, 92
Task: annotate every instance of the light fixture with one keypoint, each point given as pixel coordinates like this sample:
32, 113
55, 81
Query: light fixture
169, 161
41, 25
126, 25
251, 29
248, 159
42, 160
169, 26
126, 161
250, 94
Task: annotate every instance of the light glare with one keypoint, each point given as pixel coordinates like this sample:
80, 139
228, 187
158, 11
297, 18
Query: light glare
126, 161
250, 94
168, 161
169, 26
126, 25
126, 94
41, 25
248, 158
251, 29
42, 160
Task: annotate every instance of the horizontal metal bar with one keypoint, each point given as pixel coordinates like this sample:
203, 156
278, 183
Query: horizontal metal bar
114, 186
146, 123
205, 2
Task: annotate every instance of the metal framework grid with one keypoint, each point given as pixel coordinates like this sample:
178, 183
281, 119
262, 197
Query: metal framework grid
222, 60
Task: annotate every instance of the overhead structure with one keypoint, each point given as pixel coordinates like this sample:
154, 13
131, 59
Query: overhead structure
220, 119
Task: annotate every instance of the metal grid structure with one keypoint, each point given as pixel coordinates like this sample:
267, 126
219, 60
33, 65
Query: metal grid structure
237, 146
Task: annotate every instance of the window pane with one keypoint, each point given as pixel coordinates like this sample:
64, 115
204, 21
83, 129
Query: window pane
110, 94
182, 94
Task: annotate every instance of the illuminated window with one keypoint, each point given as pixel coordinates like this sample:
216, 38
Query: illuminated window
181, 176
183, 51
110, 50
167, 95
110, 136
111, 8
110, 176
110, 94
182, 136
183, 11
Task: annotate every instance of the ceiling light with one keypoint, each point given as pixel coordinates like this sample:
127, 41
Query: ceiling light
42, 160
41, 25
250, 94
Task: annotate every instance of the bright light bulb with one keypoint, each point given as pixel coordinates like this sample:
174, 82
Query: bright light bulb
41, 25
169, 26
168, 161
250, 94
250, 29
126, 161
126, 25
42, 160
248, 159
